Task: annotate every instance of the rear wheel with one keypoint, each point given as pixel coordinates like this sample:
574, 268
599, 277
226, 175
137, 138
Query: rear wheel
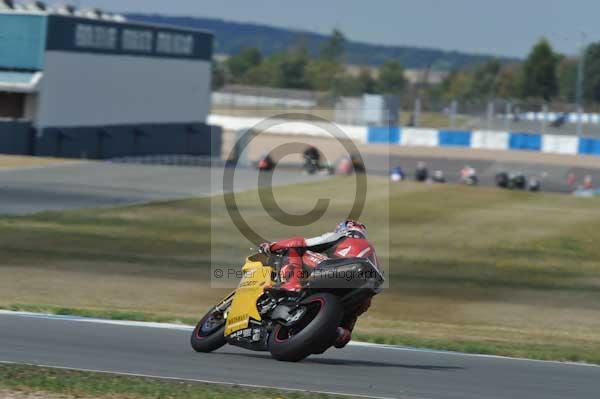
209, 333
313, 332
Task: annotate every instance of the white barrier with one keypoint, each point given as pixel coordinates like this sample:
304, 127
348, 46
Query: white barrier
292, 127
419, 137
488, 139
560, 144
482, 139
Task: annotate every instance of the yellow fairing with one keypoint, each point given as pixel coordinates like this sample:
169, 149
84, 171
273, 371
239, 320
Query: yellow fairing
256, 277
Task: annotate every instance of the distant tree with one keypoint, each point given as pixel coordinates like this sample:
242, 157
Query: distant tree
218, 75
484, 83
367, 84
263, 74
291, 70
283, 70
239, 64
321, 73
333, 49
507, 81
391, 78
538, 77
591, 82
567, 78
456, 85
346, 85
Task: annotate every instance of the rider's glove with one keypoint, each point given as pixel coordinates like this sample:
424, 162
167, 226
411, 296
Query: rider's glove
265, 248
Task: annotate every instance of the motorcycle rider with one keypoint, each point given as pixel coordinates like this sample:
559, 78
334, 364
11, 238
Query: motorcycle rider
312, 154
349, 240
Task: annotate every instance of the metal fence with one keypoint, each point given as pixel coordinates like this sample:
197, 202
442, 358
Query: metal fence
502, 115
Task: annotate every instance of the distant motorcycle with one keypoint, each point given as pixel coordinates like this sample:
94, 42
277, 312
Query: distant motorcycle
534, 184
397, 174
312, 167
421, 173
468, 176
266, 163
312, 161
438, 177
350, 164
513, 181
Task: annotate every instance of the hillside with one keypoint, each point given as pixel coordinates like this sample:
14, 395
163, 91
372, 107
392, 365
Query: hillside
233, 36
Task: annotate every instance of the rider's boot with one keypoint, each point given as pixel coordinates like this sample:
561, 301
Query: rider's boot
344, 336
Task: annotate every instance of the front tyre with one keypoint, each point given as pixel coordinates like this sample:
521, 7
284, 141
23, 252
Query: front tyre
209, 333
314, 332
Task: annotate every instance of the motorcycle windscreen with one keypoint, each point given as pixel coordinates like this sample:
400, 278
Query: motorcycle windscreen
243, 308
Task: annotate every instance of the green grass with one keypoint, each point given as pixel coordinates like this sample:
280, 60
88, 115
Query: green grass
99, 314
77, 384
477, 270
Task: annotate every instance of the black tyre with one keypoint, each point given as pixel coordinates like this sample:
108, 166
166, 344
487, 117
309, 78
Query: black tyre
209, 333
502, 180
314, 332
519, 182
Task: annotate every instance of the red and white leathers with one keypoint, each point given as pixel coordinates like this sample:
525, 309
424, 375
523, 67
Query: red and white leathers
303, 255
308, 253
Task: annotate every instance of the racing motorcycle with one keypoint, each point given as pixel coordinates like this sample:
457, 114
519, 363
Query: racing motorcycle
290, 327
512, 181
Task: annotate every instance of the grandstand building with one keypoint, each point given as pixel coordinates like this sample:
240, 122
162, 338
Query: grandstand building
96, 86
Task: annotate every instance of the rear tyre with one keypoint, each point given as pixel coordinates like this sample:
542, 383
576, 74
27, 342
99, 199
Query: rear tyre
315, 332
209, 335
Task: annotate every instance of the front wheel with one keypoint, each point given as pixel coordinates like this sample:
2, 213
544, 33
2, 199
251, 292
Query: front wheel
209, 335
314, 331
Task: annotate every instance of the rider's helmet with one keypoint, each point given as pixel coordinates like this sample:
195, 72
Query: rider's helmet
352, 228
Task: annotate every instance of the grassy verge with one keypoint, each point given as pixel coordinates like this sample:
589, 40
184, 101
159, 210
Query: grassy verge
77, 384
477, 270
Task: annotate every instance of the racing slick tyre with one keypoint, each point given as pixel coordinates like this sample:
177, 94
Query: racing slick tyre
209, 333
314, 332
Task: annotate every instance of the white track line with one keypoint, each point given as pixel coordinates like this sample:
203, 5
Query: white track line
232, 384
183, 327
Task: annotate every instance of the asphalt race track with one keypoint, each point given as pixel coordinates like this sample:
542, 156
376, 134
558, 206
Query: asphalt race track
97, 184
374, 371
553, 177
103, 184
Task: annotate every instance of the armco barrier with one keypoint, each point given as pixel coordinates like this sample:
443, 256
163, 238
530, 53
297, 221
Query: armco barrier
419, 137
589, 146
490, 140
525, 141
386, 135
448, 138
555, 144
407, 136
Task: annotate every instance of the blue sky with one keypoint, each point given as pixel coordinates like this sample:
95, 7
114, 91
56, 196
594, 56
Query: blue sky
506, 27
